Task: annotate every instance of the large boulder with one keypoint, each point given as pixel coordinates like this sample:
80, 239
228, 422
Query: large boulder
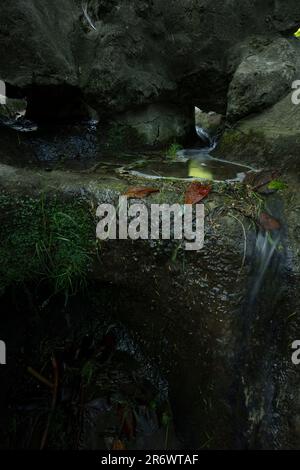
271, 137
263, 76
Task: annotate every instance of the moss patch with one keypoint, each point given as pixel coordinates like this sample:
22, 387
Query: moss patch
124, 137
235, 140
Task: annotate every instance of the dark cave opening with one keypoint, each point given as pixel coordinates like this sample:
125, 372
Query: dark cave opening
53, 103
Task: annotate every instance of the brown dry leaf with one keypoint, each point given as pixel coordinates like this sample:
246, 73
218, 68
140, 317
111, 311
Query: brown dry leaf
140, 192
268, 223
196, 192
118, 445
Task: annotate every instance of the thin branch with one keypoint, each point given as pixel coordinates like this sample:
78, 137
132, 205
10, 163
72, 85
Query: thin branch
53, 404
87, 16
39, 377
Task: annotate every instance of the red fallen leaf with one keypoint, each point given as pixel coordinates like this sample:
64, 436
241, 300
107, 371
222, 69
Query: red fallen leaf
268, 223
196, 192
118, 445
140, 193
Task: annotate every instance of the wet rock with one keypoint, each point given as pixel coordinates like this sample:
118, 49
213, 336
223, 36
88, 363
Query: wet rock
211, 122
160, 123
13, 109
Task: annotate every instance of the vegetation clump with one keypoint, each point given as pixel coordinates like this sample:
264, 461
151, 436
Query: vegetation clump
45, 239
173, 149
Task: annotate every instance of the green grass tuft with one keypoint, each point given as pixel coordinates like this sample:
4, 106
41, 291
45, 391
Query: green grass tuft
46, 240
173, 149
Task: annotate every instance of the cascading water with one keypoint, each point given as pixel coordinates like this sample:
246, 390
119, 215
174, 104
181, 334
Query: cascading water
208, 140
265, 248
261, 331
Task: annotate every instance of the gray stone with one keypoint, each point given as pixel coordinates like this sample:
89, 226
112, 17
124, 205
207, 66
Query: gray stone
271, 137
264, 75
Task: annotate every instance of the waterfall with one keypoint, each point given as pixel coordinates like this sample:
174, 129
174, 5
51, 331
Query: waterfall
258, 355
206, 138
265, 248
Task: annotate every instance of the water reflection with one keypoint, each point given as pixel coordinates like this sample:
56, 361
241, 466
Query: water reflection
193, 165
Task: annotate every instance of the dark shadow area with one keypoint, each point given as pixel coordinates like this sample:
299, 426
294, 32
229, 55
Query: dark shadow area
76, 377
55, 103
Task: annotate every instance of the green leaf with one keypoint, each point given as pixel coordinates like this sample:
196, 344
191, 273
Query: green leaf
277, 185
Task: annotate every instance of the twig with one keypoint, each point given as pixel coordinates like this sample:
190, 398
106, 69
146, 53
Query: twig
92, 169
85, 12
39, 377
81, 413
53, 404
167, 437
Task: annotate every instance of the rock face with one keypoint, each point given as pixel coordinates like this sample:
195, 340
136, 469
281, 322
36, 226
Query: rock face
228, 367
263, 76
38, 40
120, 55
183, 311
160, 123
269, 138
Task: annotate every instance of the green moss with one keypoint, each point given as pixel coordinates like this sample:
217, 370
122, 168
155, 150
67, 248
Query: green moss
235, 139
45, 240
122, 137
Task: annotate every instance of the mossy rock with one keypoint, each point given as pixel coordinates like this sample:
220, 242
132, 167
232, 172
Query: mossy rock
235, 141
122, 137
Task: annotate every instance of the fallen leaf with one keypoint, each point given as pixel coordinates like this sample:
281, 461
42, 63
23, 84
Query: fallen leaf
277, 185
140, 193
196, 192
127, 421
268, 223
118, 445
257, 180
297, 33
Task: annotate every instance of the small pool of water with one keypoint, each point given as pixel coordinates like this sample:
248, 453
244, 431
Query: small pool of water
192, 164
